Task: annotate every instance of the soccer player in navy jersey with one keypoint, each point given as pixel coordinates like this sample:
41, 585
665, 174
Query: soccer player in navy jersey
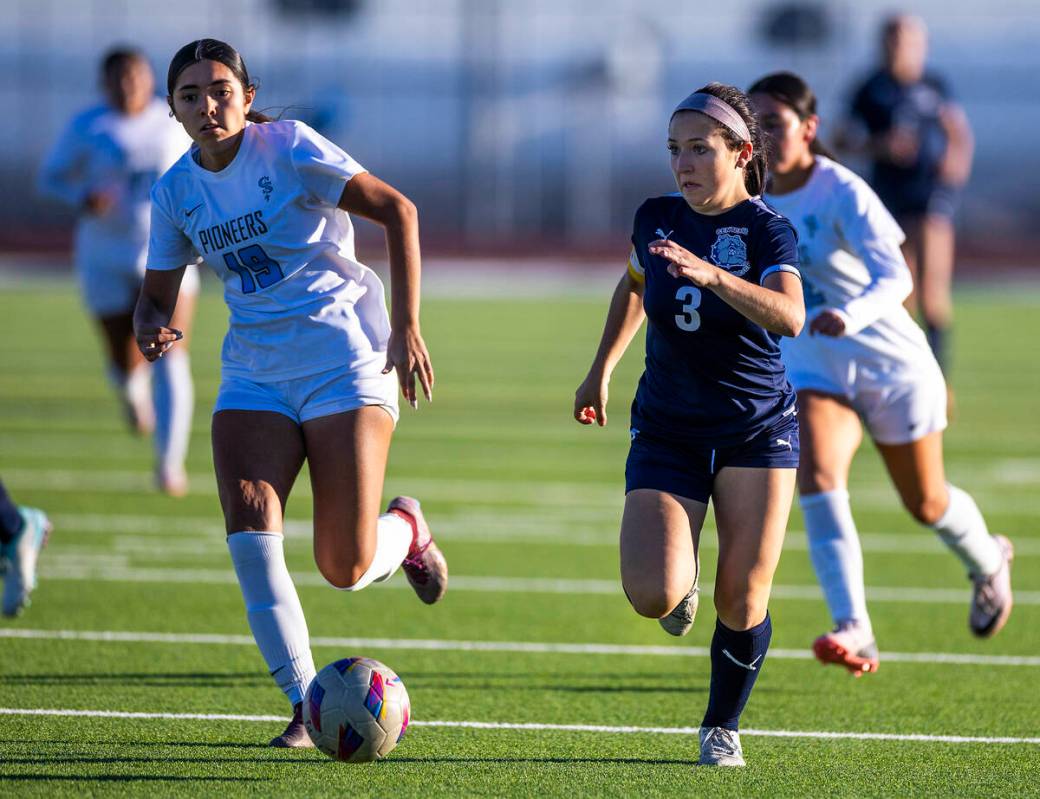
920, 145
714, 271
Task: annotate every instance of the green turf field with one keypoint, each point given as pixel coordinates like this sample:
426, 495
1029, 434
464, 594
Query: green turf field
526, 505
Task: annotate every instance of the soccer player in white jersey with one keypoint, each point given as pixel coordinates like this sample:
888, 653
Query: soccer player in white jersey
310, 350
104, 165
861, 356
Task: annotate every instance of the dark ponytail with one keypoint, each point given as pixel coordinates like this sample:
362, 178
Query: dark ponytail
213, 50
755, 171
792, 91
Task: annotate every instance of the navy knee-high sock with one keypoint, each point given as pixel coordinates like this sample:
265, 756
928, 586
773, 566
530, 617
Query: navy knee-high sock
736, 660
10, 519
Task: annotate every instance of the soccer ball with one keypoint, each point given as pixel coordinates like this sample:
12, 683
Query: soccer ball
356, 710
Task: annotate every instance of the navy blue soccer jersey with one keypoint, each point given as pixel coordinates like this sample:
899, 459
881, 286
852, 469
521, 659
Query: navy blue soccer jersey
882, 104
712, 376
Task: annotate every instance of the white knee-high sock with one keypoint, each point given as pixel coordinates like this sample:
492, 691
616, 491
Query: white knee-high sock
174, 404
964, 531
273, 609
135, 390
393, 539
836, 554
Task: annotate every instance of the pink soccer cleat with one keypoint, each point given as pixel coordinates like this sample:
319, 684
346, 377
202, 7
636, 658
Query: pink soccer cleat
848, 645
424, 566
991, 598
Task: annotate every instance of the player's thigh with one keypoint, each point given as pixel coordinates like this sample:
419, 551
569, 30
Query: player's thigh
347, 454
936, 269
917, 470
257, 456
830, 433
659, 537
912, 254
117, 331
752, 506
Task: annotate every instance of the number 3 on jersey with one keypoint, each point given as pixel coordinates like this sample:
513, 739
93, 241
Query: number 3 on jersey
255, 267
690, 297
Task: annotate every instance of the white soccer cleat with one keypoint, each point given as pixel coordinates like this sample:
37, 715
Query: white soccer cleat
991, 598
20, 556
720, 747
680, 620
850, 645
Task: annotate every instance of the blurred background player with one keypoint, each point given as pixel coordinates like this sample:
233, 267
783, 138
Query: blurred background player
104, 164
23, 533
861, 355
920, 145
713, 270
308, 354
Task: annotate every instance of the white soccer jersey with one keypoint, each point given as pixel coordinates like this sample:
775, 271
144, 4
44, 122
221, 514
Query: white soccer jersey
104, 150
269, 227
851, 263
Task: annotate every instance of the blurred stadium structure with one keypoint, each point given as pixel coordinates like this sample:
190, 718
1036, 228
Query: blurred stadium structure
532, 124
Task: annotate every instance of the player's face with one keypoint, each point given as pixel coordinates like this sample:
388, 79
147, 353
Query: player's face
705, 168
790, 134
906, 48
130, 86
210, 102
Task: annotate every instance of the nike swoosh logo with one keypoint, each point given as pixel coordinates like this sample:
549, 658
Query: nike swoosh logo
748, 666
193, 210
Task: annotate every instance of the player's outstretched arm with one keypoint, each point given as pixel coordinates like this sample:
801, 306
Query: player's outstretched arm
154, 309
623, 320
368, 196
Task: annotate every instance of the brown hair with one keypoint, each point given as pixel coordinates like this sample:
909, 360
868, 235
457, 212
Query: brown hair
213, 50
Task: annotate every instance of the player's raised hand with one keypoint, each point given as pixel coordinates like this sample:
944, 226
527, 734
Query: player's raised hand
683, 263
827, 323
406, 352
590, 401
155, 341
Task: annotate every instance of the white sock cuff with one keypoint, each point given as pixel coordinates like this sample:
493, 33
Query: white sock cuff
249, 545
957, 499
824, 497
393, 539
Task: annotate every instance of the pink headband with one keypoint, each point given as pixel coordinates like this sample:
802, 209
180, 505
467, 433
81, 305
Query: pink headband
719, 110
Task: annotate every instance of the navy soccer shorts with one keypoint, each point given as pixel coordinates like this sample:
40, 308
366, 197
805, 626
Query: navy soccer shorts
689, 470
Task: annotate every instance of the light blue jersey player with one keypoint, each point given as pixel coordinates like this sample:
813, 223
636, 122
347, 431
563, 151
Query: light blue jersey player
104, 165
309, 352
714, 271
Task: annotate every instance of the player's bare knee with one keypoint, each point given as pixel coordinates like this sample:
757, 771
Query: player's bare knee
927, 510
649, 601
253, 505
343, 571
738, 606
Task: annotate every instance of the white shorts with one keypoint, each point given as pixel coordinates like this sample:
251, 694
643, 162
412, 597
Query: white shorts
310, 397
899, 400
110, 289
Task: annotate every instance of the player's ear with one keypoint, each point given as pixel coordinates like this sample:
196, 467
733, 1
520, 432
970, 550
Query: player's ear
169, 102
812, 127
745, 154
250, 95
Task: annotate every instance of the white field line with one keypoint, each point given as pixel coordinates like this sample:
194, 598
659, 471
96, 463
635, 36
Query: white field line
538, 727
114, 569
543, 528
515, 647
989, 490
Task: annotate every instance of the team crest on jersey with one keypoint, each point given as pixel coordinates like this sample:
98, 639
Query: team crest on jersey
266, 186
730, 250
